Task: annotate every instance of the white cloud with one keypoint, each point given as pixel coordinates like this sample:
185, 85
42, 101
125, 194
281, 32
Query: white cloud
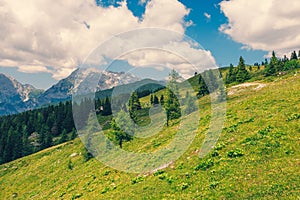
142, 2
61, 34
208, 16
263, 25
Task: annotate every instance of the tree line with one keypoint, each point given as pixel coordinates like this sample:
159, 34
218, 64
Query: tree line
31, 131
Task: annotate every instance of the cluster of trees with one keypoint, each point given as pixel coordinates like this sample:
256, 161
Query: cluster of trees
28, 132
238, 74
277, 65
155, 101
211, 81
273, 66
103, 106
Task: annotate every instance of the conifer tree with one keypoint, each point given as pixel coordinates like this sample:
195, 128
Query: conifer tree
171, 103
271, 68
123, 128
230, 76
294, 56
242, 74
203, 89
161, 100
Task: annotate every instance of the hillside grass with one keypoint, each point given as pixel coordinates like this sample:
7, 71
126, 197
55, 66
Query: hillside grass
256, 157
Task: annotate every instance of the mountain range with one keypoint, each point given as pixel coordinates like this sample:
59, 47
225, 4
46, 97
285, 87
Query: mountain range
16, 97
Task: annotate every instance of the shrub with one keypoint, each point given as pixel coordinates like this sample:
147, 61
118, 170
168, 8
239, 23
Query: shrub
235, 153
70, 165
205, 165
213, 184
107, 172
219, 146
183, 186
137, 179
106, 189
293, 117
265, 131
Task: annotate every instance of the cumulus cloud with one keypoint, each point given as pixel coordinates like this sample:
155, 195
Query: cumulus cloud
61, 34
263, 25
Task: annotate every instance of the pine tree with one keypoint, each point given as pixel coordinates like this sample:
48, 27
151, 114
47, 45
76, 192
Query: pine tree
73, 134
134, 105
161, 100
271, 68
294, 56
230, 76
242, 74
203, 89
106, 107
151, 99
155, 100
123, 128
171, 103
64, 136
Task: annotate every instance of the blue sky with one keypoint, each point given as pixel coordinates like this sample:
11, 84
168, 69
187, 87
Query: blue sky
44, 42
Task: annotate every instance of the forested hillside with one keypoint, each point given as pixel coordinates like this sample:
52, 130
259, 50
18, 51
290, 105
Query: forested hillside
31, 131
256, 156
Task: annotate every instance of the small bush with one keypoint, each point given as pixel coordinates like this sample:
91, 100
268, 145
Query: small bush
86, 155
106, 189
213, 184
265, 131
293, 117
205, 165
170, 179
215, 153
70, 165
162, 176
107, 172
235, 153
137, 179
158, 172
183, 186
76, 196
219, 146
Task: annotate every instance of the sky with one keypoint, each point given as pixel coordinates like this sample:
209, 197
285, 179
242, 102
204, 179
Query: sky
44, 41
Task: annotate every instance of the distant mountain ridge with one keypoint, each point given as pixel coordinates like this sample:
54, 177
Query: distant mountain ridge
16, 97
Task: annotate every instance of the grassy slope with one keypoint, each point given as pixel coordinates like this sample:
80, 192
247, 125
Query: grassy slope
257, 124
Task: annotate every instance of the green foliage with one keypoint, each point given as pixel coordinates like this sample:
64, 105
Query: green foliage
231, 75
137, 179
86, 155
28, 132
235, 153
258, 117
203, 89
134, 105
183, 186
294, 56
63, 137
204, 165
241, 72
293, 117
171, 102
123, 128
70, 165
